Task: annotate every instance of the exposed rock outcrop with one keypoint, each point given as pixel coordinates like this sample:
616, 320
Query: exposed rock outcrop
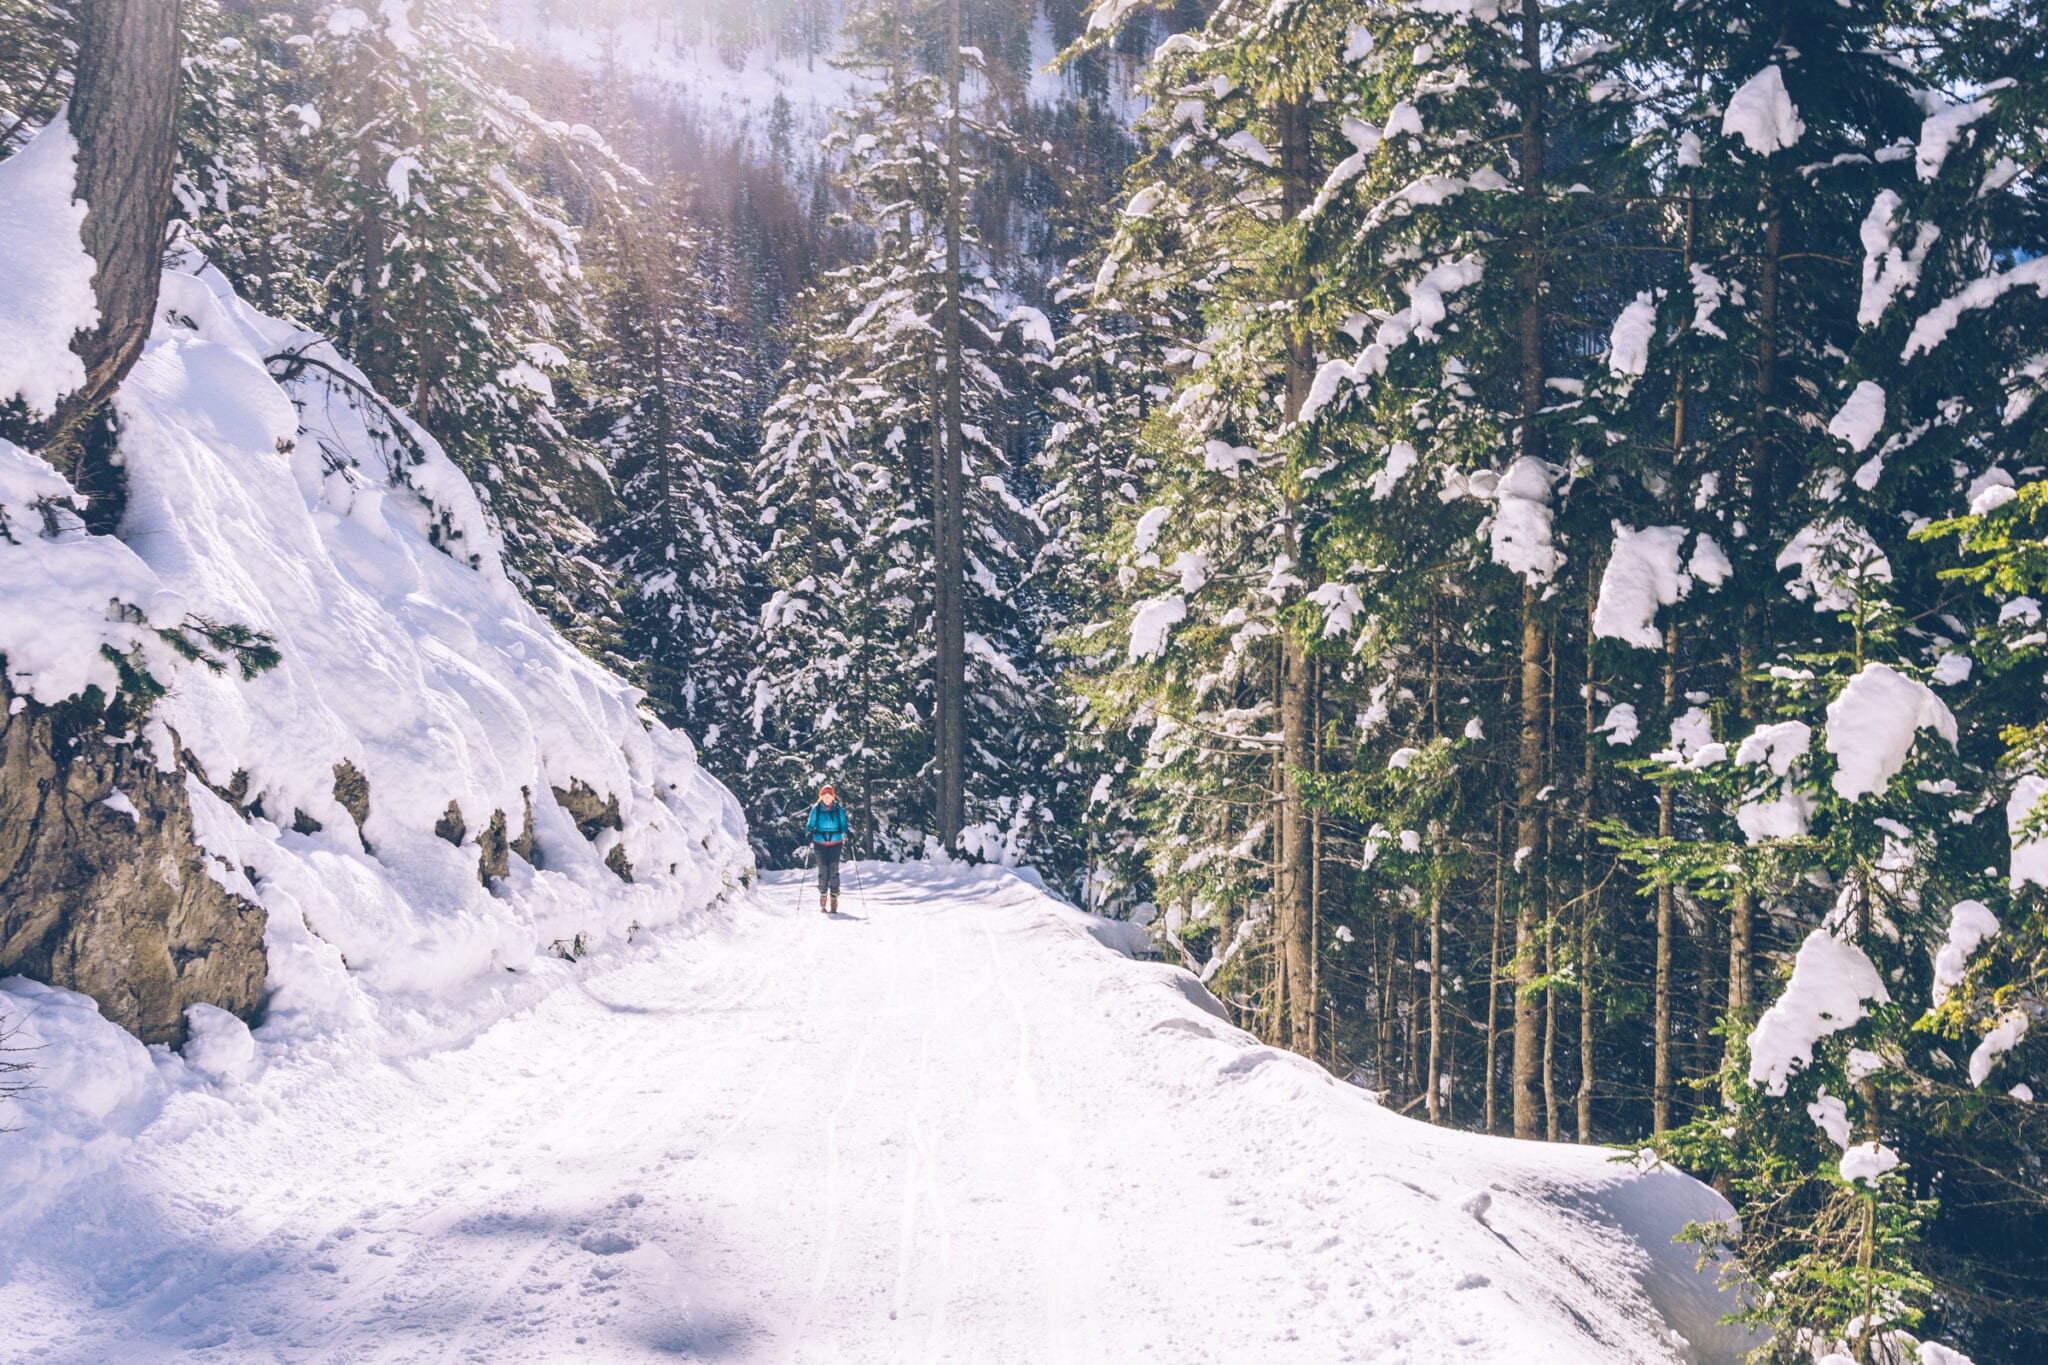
102, 887
592, 815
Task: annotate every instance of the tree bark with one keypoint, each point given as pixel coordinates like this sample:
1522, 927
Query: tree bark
1434, 1077
1660, 1092
1294, 894
1531, 770
1742, 913
1500, 875
951, 519
1589, 894
123, 115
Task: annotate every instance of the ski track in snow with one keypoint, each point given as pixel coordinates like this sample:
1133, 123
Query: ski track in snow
947, 1125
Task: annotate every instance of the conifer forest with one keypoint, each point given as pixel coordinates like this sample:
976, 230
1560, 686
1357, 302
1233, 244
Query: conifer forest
1507, 537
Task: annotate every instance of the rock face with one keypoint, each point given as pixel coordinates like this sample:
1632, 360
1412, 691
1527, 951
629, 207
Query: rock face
102, 889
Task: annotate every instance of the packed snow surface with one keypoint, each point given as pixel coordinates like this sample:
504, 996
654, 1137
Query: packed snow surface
953, 1123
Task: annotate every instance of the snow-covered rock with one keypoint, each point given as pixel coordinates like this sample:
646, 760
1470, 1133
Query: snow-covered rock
391, 785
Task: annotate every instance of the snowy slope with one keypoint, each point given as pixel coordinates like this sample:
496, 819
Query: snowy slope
951, 1125
278, 495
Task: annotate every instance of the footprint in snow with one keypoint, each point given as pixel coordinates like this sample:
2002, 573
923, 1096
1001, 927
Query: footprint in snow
607, 1243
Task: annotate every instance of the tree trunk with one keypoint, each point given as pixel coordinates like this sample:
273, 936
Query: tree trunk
1550, 1129
1500, 875
1660, 1091
1531, 775
123, 115
1293, 894
1315, 864
1434, 1077
1742, 913
951, 519
1589, 894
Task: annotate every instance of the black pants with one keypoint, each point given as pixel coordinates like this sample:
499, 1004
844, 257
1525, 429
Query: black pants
828, 867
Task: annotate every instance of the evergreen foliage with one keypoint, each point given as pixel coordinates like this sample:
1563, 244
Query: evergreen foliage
1512, 532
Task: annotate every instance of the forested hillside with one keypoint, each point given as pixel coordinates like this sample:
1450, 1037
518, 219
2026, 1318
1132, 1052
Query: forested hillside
1507, 533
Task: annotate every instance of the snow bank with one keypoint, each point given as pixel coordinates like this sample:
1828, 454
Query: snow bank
408, 658
45, 273
414, 903
95, 1087
296, 510
67, 597
1871, 728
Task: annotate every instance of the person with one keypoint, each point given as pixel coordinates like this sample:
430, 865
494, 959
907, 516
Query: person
827, 828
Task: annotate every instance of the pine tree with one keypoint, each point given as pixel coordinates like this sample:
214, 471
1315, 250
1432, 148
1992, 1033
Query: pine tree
676, 432
875, 341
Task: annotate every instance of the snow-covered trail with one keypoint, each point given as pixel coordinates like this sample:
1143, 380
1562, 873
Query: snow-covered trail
947, 1126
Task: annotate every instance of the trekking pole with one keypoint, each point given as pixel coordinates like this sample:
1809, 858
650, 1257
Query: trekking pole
859, 889
803, 856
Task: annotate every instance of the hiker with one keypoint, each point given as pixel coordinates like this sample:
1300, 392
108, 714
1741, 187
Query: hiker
827, 828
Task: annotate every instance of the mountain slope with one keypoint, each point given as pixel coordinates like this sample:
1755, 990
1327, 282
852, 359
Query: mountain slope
952, 1124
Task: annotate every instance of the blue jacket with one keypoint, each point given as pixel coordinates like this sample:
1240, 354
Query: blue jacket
827, 824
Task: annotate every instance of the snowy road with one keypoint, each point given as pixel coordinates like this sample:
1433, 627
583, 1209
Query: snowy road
948, 1126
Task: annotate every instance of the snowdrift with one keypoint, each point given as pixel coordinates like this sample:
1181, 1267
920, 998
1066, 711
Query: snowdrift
431, 789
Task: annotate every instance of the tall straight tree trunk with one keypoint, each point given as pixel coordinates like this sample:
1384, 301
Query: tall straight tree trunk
123, 116
1500, 874
951, 528
1315, 865
1531, 774
1660, 1091
1742, 912
1294, 893
1589, 893
1434, 1077
1550, 1128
